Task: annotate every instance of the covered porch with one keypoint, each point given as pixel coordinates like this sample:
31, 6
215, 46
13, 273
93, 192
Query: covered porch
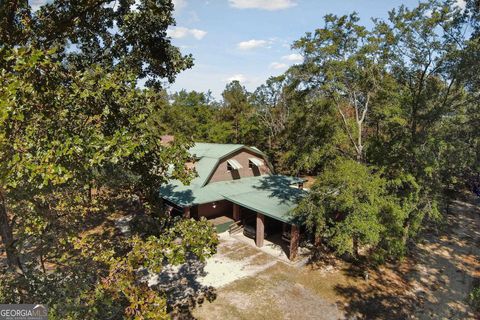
255, 227
258, 207
273, 228
265, 230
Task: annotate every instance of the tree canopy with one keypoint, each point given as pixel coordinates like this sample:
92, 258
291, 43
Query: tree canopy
400, 98
384, 118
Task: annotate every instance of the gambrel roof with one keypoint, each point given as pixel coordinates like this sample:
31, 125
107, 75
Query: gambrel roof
272, 195
209, 155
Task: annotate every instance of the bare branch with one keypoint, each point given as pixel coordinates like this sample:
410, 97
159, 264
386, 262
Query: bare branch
365, 109
337, 104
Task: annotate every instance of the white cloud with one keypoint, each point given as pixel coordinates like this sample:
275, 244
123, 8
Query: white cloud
179, 4
36, 4
461, 4
237, 77
278, 65
294, 57
198, 34
182, 32
269, 5
252, 44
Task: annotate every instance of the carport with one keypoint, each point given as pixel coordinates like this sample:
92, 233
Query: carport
277, 206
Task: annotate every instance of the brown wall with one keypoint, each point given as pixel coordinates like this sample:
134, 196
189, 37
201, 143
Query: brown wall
222, 174
223, 207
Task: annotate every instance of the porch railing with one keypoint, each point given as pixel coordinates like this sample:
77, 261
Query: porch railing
235, 227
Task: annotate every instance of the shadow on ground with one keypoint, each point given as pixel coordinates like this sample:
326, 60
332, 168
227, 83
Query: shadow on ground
384, 296
432, 284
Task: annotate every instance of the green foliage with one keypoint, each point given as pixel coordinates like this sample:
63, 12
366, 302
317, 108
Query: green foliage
474, 298
78, 141
174, 246
404, 95
70, 141
345, 206
238, 112
355, 209
345, 63
399, 97
57, 126
126, 33
106, 275
309, 142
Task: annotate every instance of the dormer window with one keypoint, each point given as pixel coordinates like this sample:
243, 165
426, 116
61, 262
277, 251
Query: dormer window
233, 164
254, 162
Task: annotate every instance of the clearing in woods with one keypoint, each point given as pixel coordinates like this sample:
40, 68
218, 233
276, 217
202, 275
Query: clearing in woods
432, 284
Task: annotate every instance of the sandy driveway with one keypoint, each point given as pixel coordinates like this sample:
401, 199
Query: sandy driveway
254, 285
233, 261
432, 284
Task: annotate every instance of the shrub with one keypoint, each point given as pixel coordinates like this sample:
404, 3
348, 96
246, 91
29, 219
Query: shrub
474, 297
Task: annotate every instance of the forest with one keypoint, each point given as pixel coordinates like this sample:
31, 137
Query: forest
384, 118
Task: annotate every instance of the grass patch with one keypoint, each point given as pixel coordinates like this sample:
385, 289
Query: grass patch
241, 253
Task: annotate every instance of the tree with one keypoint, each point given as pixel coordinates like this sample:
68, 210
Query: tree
424, 44
271, 103
352, 207
344, 62
238, 111
128, 33
312, 137
191, 114
345, 207
62, 132
403, 103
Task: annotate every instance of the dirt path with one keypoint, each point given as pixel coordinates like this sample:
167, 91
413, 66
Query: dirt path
252, 284
446, 265
433, 283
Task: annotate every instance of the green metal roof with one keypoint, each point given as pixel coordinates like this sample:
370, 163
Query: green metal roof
271, 195
213, 150
208, 155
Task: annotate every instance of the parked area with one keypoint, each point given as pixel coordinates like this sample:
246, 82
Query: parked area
433, 284
253, 284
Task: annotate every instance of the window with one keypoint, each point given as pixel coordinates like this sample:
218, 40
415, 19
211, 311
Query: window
254, 162
233, 164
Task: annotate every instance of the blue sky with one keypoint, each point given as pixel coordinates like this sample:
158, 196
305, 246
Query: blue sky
250, 40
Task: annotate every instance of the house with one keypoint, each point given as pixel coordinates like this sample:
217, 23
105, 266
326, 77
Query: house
238, 182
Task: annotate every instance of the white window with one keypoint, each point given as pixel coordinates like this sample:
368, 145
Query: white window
233, 165
255, 162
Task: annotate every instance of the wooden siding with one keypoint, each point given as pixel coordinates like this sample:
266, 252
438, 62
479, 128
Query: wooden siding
222, 174
222, 207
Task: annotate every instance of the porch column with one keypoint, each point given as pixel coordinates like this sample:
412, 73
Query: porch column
294, 239
236, 212
186, 212
260, 230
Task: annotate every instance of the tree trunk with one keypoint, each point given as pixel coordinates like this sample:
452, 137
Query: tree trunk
13, 259
360, 143
355, 247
